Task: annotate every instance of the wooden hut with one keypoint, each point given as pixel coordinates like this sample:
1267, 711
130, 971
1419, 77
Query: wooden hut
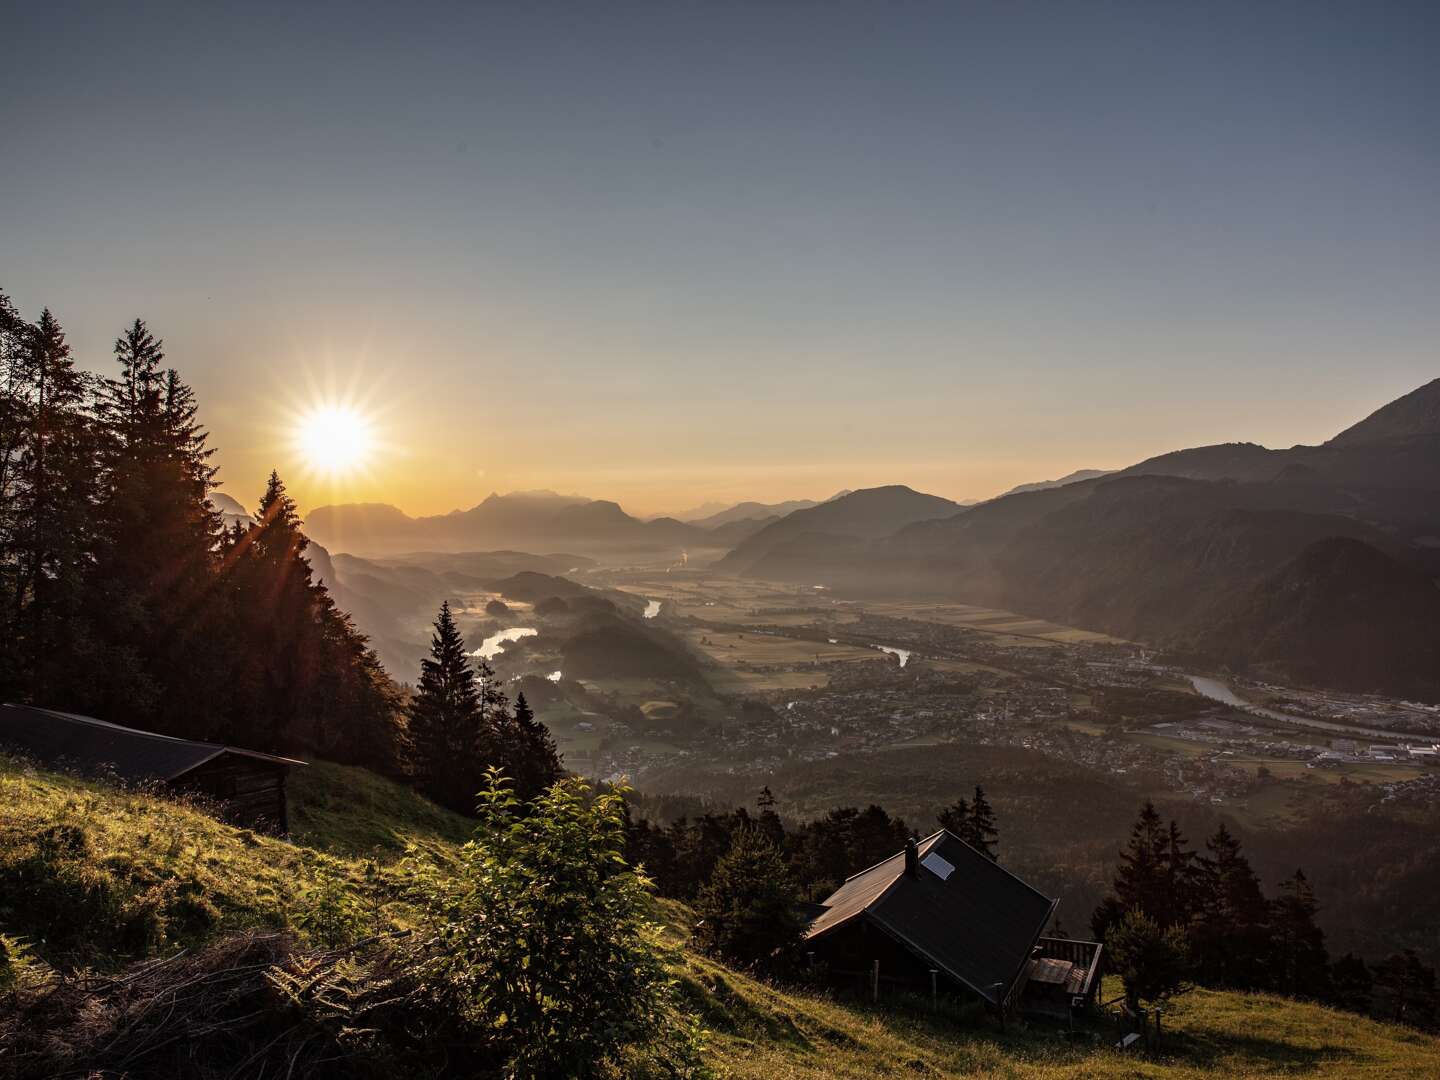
941, 916
248, 786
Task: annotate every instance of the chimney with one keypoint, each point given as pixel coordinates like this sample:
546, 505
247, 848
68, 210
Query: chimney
912, 858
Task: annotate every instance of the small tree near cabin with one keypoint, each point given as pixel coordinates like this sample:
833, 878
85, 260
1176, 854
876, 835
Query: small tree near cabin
1153, 961
747, 908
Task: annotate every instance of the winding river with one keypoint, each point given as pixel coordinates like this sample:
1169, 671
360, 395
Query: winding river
492, 645
902, 654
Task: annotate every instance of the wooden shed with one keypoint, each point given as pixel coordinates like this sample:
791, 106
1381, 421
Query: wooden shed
248, 786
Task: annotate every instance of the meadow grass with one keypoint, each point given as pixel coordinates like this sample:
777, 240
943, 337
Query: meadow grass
134, 873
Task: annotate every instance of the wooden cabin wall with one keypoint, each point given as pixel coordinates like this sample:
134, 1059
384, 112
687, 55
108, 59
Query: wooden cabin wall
251, 792
847, 957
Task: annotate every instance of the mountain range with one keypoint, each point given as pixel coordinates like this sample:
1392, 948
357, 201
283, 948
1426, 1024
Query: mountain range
1208, 552
534, 520
537, 520
1197, 550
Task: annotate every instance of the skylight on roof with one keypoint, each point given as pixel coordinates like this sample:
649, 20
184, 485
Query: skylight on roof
941, 868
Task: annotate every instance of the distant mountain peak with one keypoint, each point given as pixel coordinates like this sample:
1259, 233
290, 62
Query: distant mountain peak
1417, 413
1076, 477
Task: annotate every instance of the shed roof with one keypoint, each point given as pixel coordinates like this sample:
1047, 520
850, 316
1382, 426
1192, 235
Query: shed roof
978, 924
52, 736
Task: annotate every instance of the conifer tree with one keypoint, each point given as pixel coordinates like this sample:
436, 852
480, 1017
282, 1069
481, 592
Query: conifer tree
14, 425
983, 835
277, 628
1405, 990
445, 719
1152, 960
956, 817
529, 758
357, 711
52, 506
768, 820
1182, 878
1351, 984
152, 584
747, 908
1154, 874
1301, 960
973, 822
1231, 936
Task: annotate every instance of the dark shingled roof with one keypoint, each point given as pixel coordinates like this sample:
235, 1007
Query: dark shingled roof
978, 924
56, 737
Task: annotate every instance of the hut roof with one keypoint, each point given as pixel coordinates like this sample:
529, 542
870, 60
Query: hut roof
53, 737
961, 911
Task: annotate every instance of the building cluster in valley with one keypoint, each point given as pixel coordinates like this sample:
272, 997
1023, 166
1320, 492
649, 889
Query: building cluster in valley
1108, 706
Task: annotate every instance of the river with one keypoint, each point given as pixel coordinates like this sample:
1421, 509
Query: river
902, 654
1219, 691
491, 646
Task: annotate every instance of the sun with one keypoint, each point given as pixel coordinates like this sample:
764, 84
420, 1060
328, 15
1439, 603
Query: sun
334, 439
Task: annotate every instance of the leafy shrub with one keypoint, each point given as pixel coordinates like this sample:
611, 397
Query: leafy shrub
330, 916
540, 940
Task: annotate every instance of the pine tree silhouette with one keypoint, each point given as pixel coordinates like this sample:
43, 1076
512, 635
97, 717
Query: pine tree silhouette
445, 719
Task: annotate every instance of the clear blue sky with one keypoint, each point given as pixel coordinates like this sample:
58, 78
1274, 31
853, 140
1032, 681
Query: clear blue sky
681, 251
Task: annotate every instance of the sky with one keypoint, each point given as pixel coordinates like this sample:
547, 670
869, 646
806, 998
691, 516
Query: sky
677, 253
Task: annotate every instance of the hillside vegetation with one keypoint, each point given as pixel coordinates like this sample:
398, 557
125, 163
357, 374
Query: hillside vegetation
94, 873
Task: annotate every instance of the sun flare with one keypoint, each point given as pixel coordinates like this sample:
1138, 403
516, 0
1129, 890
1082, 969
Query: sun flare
334, 439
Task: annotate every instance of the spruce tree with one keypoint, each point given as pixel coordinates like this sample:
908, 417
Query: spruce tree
1231, 935
1154, 875
1301, 960
956, 817
445, 719
14, 426
747, 908
983, 835
1405, 990
1152, 960
529, 758
52, 507
768, 820
278, 639
973, 822
152, 584
357, 705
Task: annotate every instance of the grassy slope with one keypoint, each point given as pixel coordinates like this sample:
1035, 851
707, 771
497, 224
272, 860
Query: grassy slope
133, 852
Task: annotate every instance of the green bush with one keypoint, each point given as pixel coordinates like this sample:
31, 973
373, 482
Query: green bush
331, 915
539, 938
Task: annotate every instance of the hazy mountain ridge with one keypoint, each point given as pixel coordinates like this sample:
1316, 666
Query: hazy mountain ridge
1415, 414
752, 510
1069, 478
859, 515
525, 519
